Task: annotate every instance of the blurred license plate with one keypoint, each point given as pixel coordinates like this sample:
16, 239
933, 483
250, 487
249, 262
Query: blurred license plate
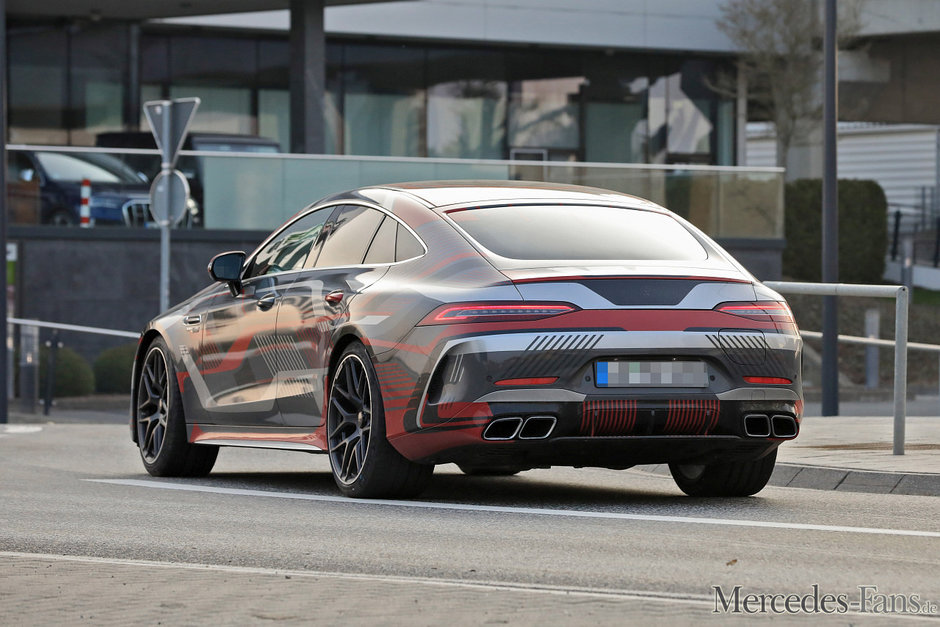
672, 374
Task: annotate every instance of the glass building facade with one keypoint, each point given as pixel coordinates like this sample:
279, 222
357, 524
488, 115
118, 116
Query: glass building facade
409, 99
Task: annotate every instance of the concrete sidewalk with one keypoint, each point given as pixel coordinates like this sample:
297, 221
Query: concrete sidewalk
845, 453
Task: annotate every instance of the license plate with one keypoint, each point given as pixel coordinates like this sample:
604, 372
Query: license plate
651, 374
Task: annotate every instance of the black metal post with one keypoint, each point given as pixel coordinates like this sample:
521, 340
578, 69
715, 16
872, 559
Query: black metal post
4, 375
896, 236
54, 345
307, 76
936, 243
830, 222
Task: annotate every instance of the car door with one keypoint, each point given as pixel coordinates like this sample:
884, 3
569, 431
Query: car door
317, 303
240, 351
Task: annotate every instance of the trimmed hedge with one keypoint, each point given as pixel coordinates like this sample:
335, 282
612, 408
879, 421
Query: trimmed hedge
73, 375
863, 231
113, 369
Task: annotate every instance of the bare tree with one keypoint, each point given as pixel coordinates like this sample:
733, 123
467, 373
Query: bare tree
781, 60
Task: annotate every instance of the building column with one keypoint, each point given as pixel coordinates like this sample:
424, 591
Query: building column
307, 76
132, 104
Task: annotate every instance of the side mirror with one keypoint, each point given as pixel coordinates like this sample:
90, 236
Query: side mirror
227, 268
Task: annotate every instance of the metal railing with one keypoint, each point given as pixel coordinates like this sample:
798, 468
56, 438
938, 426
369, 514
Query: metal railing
901, 297
71, 327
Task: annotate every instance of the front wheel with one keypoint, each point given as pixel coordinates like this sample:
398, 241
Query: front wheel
364, 464
161, 423
725, 479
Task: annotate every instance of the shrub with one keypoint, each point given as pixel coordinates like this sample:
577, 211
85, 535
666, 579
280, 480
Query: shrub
863, 231
113, 369
73, 374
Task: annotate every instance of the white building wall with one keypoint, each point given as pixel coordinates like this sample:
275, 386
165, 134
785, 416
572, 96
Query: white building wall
681, 25
902, 158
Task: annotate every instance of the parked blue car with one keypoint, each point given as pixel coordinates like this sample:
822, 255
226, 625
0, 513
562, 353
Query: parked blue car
119, 194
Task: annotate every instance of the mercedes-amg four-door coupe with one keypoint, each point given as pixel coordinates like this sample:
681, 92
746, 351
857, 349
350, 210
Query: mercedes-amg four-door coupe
501, 326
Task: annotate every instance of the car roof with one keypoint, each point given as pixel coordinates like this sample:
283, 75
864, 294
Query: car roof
441, 195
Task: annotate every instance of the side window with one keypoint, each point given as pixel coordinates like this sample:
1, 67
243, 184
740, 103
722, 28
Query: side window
407, 245
350, 234
382, 249
290, 249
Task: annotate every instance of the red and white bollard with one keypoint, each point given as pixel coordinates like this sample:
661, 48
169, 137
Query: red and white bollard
85, 210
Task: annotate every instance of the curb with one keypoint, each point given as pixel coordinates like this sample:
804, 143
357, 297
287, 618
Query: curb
841, 479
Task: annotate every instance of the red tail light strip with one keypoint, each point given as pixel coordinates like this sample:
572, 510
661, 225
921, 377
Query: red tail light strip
494, 312
768, 380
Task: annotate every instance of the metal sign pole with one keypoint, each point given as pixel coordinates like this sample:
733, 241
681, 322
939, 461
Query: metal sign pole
165, 166
169, 121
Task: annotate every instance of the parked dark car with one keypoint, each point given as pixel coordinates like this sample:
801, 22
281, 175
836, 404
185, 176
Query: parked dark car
500, 326
189, 165
119, 194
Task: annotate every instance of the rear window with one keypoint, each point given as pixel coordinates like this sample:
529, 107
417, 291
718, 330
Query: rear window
566, 232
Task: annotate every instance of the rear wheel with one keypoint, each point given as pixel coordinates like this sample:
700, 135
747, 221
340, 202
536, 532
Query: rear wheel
161, 423
364, 464
727, 479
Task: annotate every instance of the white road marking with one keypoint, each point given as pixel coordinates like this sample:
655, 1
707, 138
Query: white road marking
487, 585
18, 429
730, 522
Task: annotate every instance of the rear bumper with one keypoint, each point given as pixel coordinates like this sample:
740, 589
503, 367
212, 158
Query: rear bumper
590, 425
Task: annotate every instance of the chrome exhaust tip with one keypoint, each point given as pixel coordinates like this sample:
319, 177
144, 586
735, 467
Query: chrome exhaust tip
784, 426
757, 425
502, 429
537, 427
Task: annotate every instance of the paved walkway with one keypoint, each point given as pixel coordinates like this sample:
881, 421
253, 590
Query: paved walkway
831, 453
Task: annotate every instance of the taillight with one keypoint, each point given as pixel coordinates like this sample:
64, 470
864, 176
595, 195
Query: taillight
768, 380
494, 312
765, 311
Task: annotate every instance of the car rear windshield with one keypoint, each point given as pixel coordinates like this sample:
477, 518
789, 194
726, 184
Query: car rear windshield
567, 232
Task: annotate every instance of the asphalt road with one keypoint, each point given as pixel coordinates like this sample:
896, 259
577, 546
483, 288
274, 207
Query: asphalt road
85, 534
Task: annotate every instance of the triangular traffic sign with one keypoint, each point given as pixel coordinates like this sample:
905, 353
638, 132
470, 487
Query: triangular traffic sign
169, 120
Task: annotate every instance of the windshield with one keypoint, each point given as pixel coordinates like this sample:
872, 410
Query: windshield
97, 168
585, 233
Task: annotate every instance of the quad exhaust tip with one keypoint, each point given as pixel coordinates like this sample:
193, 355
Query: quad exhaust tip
531, 428
757, 425
784, 426
537, 428
763, 426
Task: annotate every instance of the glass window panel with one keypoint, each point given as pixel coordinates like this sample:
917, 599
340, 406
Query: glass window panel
274, 115
466, 104
544, 96
98, 73
290, 249
221, 110
350, 235
407, 246
383, 104
691, 117
37, 87
579, 233
726, 132
615, 116
382, 249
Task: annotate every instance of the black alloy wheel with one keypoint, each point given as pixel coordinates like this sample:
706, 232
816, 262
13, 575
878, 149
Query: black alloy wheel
161, 422
364, 464
350, 419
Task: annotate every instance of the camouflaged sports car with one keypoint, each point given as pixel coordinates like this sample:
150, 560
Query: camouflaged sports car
501, 326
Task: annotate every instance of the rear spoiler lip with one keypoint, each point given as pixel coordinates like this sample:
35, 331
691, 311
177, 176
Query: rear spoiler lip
591, 277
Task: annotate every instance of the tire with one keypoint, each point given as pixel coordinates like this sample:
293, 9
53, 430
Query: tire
495, 471
364, 464
161, 423
728, 479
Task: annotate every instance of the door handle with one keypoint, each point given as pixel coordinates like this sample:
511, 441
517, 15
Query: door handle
266, 302
334, 297
191, 320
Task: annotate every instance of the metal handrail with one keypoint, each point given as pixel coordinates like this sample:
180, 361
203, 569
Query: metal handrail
71, 327
901, 296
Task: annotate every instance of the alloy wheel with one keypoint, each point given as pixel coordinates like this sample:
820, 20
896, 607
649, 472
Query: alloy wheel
349, 419
152, 405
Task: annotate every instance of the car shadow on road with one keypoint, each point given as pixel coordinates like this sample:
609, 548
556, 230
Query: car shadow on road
514, 491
